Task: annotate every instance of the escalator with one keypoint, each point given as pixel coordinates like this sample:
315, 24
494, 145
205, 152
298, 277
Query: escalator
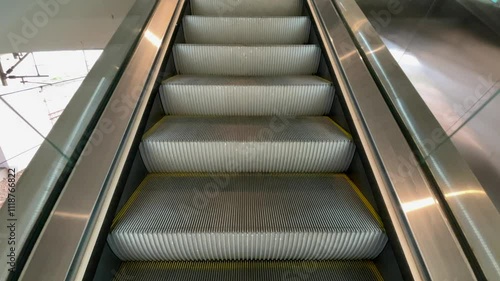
233, 190
247, 140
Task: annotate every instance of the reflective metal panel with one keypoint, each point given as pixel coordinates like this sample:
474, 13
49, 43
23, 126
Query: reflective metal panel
80, 210
42, 180
475, 213
423, 230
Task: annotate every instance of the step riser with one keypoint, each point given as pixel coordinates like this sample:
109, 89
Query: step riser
246, 144
247, 100
246, 246
246, 8
247, 31
247, 157
246, 61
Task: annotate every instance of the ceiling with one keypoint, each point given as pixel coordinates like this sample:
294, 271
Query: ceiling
49, 25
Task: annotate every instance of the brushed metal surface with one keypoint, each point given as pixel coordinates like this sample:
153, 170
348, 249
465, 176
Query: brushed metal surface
247, 96
234, 60
247, 8
246, 30
425, 235
469, 202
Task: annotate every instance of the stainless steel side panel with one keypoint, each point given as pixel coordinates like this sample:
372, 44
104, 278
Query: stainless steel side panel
475, 213
424, 233
64, 247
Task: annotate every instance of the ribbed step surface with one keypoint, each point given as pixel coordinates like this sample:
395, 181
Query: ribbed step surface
247, 96
246, 217
246, 144
246, 31
247, 60
249, 271
246, 8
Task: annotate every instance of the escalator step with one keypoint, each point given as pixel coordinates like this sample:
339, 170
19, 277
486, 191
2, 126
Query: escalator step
249, 271
247, 96
246, 31
246, 60
246, 144
246, 8
247, 217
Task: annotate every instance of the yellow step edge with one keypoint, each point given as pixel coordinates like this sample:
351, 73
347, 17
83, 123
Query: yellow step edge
129, 202
375, 271
341, 128
364, 200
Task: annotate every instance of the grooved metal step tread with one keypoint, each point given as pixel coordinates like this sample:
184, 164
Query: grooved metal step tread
246, 96
246, 144
247, 8
249, 271
247, 217
246, 31
276, 60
